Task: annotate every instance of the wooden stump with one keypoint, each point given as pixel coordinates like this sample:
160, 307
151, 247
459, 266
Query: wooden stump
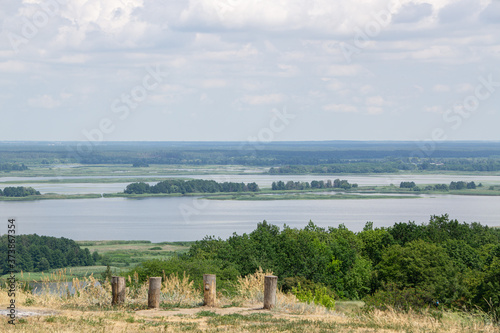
270, 285
118, 290
209, 289
154, 292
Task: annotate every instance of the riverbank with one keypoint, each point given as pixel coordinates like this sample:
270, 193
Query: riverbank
364, 192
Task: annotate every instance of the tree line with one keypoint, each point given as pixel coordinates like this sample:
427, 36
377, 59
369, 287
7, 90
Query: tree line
12, 167
315, 184
389, 166
190, 186
19, 191
445, 262
460, 185
36, 253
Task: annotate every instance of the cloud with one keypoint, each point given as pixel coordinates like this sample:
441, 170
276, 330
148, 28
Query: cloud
464, 88
491, 14
366, 89
434, 109
458, 11
12, 66
412, 12
213, 83
375, 101
373, 110
263, 99
44, 102
375, 105
344, 108
343, 70
441, 88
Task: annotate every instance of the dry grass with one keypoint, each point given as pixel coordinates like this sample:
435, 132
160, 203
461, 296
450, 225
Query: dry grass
89, 310
179, 291
251, 293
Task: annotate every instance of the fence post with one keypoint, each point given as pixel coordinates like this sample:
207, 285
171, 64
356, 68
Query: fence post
209, 289
270, 285
154, 292
118, 290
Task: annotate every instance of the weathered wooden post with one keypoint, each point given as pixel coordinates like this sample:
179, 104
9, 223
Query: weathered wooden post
118, 290
209, 289
270, 285
154, 292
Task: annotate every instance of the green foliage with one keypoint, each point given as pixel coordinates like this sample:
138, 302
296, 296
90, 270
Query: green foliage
190, 186
12, 167
40, 253
403, 299
226, 273
19, 191
107, 274
318, 296
405, 266
407, 185
422, 265
290, 185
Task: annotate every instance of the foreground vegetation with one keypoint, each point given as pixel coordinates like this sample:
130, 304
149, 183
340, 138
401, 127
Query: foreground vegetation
444, 263
89, 309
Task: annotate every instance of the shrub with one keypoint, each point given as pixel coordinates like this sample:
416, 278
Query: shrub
319, 296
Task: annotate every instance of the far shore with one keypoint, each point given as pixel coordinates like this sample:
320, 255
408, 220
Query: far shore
360, 193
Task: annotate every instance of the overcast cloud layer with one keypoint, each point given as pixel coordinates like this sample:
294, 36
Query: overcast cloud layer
239, 69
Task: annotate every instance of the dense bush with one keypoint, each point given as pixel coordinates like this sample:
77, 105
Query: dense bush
406, 265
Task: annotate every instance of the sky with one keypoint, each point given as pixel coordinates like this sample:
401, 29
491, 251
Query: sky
249, 70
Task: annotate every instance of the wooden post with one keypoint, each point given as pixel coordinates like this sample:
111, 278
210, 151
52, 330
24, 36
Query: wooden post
209, 289
154, 292
270, 285
118, 290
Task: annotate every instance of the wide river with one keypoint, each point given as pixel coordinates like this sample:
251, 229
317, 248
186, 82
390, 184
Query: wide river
188, 218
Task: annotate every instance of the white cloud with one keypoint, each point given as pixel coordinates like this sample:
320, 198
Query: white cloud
366, 89
238, 54
375, 101
44, 101
343, 70
464, 88
441, 88
412, 12
434, 109
213, 83
344, 108
12, 66
263, 99
374, 110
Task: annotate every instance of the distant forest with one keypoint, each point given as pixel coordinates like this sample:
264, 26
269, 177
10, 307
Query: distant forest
36, 253
280, 157
12, 167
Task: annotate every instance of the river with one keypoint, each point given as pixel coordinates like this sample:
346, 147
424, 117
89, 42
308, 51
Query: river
188, 218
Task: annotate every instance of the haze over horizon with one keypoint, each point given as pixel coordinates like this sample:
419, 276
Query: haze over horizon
233, 70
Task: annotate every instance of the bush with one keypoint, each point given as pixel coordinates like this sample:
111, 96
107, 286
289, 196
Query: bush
400, 299
319, 296
226, 272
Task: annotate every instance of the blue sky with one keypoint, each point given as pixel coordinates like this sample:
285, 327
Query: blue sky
235, 70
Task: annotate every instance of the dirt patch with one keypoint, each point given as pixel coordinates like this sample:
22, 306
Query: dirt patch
194, 311
31, 312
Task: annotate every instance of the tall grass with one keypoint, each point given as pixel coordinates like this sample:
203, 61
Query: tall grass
179, 291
